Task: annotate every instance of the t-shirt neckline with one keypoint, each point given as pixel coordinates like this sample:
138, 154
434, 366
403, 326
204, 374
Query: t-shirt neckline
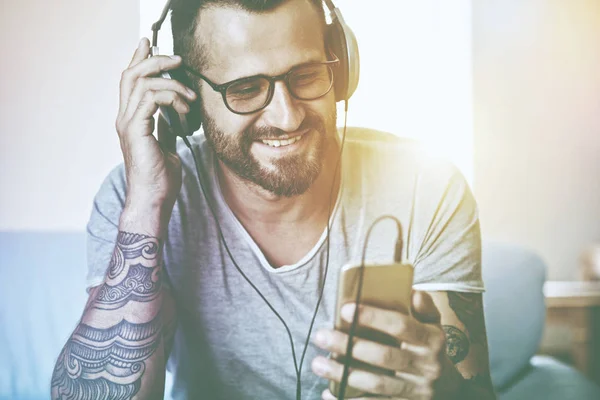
252, 244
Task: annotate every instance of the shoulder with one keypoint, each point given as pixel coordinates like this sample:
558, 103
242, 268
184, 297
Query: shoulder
386, 158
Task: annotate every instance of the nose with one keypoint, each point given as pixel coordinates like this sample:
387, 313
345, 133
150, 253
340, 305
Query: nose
284, 112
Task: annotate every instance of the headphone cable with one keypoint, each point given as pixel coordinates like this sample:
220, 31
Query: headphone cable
297, 368
352, 331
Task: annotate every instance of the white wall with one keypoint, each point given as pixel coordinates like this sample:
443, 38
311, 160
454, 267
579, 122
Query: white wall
537, 125
59, 75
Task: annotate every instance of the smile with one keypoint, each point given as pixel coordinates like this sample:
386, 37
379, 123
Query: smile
281, 142
284, 140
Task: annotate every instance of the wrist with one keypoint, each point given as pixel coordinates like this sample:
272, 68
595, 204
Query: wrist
450, 383
149, 218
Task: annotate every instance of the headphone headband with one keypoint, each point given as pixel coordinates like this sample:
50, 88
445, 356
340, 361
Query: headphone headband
339, 39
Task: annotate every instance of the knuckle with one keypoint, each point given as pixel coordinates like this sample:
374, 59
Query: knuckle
433, 372
167, 61
401, 326
387, 356
377, 385
141, 83
438, 343
119, 126
126, 74
150, 95
366, 316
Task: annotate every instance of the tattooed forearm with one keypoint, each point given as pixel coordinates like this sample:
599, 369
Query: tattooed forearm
101, 361
457, 343
469, 309
140, 284
133, 272
105, 363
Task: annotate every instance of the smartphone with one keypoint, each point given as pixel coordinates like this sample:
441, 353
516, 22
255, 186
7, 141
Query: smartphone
387, 286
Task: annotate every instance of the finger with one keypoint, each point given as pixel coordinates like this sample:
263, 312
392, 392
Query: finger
327, 395
363, 380
140, 53
424, 309
146, 68
166, 137
144, 84
150, 103
377, 354
398, 325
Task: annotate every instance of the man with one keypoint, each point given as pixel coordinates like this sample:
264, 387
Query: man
164, 282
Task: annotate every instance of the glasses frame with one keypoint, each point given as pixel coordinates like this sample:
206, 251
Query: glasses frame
222, 88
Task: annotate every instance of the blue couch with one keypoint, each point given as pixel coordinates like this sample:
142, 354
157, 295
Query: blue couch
42, 295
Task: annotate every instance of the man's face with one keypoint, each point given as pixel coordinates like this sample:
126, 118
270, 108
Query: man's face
241, 44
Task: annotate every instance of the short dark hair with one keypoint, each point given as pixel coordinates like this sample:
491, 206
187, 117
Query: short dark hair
184, 18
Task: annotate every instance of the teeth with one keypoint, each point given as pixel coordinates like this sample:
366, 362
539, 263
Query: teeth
284, 142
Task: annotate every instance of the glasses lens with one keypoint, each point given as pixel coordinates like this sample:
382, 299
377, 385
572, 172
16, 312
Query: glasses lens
311, 81
247, 95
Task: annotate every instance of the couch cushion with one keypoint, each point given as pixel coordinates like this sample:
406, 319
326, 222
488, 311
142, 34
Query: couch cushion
545, 378
42, 295
514, 307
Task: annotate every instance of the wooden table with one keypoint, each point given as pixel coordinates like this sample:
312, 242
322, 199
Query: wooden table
576, 304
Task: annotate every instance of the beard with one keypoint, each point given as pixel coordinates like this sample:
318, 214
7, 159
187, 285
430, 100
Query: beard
293, 174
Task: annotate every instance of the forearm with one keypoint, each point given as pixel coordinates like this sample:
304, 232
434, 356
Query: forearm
118, 350
453, 386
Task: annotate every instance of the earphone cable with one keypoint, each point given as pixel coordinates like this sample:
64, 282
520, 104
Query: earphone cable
328, 231
298, 368
352, 331
222, 237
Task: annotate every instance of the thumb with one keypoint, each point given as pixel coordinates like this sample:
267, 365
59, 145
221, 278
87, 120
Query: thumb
424, 309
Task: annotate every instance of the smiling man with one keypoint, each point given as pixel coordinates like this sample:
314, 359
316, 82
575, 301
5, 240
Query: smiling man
210, 261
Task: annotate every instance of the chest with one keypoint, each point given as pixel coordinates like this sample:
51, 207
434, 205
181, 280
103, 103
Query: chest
285, 244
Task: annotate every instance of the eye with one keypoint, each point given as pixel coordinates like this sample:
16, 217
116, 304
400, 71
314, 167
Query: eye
309, 75
246, 90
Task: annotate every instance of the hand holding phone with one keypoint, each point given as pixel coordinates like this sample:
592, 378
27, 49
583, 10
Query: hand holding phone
385, 286
399, 347
397, 353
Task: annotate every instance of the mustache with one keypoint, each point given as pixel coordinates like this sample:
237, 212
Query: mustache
267, 132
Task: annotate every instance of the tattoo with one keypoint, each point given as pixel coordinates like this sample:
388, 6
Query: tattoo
105, 363
469, 309
109, 362
138, 282
457, 343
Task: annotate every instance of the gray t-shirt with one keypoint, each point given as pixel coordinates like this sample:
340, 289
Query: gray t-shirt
229, 344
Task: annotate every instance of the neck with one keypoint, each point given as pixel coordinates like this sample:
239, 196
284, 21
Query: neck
250, 202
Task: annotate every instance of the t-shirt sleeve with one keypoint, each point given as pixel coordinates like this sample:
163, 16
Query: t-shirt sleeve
103, 225
444, 238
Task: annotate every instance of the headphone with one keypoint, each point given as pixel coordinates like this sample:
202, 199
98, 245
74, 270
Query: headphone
339, 39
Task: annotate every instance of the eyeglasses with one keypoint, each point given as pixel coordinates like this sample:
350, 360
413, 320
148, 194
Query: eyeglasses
251, 94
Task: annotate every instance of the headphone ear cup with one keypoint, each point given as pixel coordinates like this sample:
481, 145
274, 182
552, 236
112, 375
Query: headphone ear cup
194, 117
337, 45
341, 41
